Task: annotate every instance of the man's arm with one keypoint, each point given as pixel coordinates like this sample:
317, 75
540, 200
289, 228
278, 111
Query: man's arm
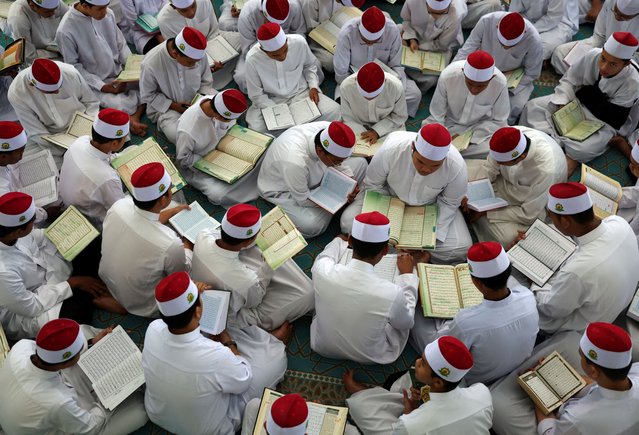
150, 92
16, 298
255, 88
342, 56
296, 179
402, 310
396, 119
449, 200
19, 26
533, 62
310, 68
564, 297
377, 173
70, 417
178, 258
70, 53
439, 103
329, 257
499, 118
552, 17
473, 43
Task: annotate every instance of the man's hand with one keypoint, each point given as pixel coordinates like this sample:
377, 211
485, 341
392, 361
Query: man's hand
313, 94
351, 196
235, 13
411, 402
453, 137
413, 45
187, 244
344, 237
539, 414
521, 235
222, 337
217, 65
370, 136
464, 205
93, 286
114, 87
180, 106
420, 257
201, 286
168, 213
102, 334
53, 212
404, 262
474, 216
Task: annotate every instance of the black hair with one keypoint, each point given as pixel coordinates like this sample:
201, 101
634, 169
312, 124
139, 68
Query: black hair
233, 241
97, 137
183, 319
496, 282
5, 231
148, 205
318, 141
584, 217
527, 144
612, 374
448, 385
367, 249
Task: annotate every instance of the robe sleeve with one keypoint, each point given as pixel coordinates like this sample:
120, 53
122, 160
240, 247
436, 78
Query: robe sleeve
235, 375
399, 428
247, 36
296, 179
255, 88
564, 297
499, 118
396, 119
129, 16
578, 74
534, 198
473, 43
449, 201
110, 191
69, 51
377, 173
551, 19
69, 417
446, 40
310, 68
28, 118
439, 103
16, 298
533, 62
250, 294
409, 31
297, 24
402, 311
150, 91
395, 61
206, 81
598, 38
630, 197
88, 98
329, 257
177, 258
342, 56
310, 11
184, 150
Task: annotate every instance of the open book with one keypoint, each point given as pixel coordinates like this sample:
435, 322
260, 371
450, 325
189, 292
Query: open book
189, 223
215, 309
444, 290
4, 8
412, 227
279, 239
326, 33
577, 52
552, 383
148, 152
481, 196
570, 121
148, 23
114, 367
333, 191
235, 154
239, 4
513, 77
604, 191
132, 69
428, 62
462, 141
39, 177
80, 125
13, 55
281, 116
219, 49
4, 346
71, 232
633, 310
322, 419
386, 268
364, 149
541, 253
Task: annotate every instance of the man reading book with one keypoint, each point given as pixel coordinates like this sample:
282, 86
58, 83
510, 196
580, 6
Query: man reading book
629, 203
40, 393
198, 384
605, 84
171, 75
359, 316
441, 406
227, 258
132, 12
422, 168
501, 331
521, 165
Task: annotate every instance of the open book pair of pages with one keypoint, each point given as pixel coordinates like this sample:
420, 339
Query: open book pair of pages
220, 50
13, 55
427, 62
570, 121
281, 116
39, 177
326, 33
332, 193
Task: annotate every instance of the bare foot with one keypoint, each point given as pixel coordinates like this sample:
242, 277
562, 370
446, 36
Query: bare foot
620, 143
284, 332
138, 128
351, 385
572, 165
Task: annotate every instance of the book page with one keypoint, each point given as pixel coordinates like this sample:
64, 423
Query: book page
239, 4
148, 23
567, 118
63, 140
529, 265
284, 249
36, 167
469, 294
480, 189
513, 78
395, 215
13, 55
215, 307
242, 149
375, 201
189, 223
433, 61
279, 239
304, 111
560, 376
223, 166
80, 125
71, 233
4, 346
462, 142
601, 183
333, 191
584, 129
344, 15
576, 52
547, 245
278, 117
325, 35
43, 192
386, 268
274, 227
633, 310
602, 205
220, 50
132, 69
364, 149
412, 227
4, 8
431, 219
412, 59
438, 287
544, 394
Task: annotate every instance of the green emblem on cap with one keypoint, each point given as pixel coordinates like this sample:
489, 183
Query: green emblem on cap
162, 187
227, 113
325, 143
182, 47
515, 154
119, 133
33, 82
444, 371
190, 297
249, 232
66, 355
5, 145
559, 207
22, 219
38, 1
470, 268
592, 354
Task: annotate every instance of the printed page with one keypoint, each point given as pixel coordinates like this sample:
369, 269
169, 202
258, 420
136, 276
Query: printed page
577, 52
395, 215
215, 307
344, 15
633, 310
63, 140
601, 183
304, 111
37, 167
560, 376
4, 8
148, 22
513, 78
547, 245
568, 117
386, 268
71, 233
480, 189
4, 346
274, 227
333, 191
239, 4
189, 223
43, 192
268, 397
529, 265
602, 205
375, 201
584, 129
433, 61
81, 125
325, 35
249, 136
284, 249
470, 296
412, 59
219, 49
278, 117
429, 233
438, 288
241, 149
365, 149
131, 71
223, 166
462, 142
544, 394
412, 227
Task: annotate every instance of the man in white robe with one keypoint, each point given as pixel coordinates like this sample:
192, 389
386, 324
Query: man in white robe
447, 407
370, 37
295, 164
471, 95
475, 9
373, 104
606, 86
172, 74
422, 168
514, 43
616, 16
36, 22
199, 14
629, 203
522, 165
46, 96
90, 40
281, 69
133, 32
227, 259
589, 10
198, 384
228, 16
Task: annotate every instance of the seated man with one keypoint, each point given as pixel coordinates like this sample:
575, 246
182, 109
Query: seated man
616, 16
46, 96
36, 22
138, 248
473, 10
90, 40
589, 10
196, 384
133, 32
295, 164
359, 316
371, 37
199, 132
500, 331
447, 407
514, 43
606, 85
522, 165
557, 21
199, 14
228, 259
629, 203
373, 104
229, 16
35, 281
471, 95
39, 396
436, 27
172, 74
87, 179
422, 168
282, 69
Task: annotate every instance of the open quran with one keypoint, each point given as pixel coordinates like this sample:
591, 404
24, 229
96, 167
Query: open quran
281, 116
326, 33
462, 141
13, 55
215, 309
603, 190
513, 77
386, 268
481, 196
541, 253
235, 155
5, 5
364, 149
412, 227
80, 125
332, 193
39, 177
444, 290
279, 239
428, 62
577, 52
132, 69
552, 383
570, 121
322, 419
148, 23
148, 152
71, 232
189, 223
239, 4
219, 49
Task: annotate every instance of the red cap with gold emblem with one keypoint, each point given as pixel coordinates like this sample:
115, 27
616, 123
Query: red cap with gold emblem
150, 181
16, 208
175, 294
507, 144
487, 259
288, 416
230, 103
338, 139
372, 227
449, 358
111, 123
479, 66
607, 345
370, 80
242, 221
191, 42
45, 75
433, 142
568, 198
511, 29
12, 136
59, 340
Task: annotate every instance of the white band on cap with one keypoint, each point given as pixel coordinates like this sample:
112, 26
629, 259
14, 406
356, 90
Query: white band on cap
269, 17
220, 107
509, 42
98, 2
181, 303
604, 358
618, 50
274, 429
14, 143
240, 232
182, 4
635, 152
370, 35
62, 355
333, 147
628, 7
370, 94
490, 268
43, 86
568, 206
275, 43
440, 366
186, 49
110, 131
47, 4
478, 75
15, 220
428, 151
154, 191
370, 233
511, 155
438, 5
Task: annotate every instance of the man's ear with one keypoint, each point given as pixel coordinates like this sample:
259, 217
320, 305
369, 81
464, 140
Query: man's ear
385, 250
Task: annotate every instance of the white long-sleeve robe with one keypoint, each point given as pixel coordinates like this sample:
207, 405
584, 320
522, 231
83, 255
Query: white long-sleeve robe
473, 10
316, 12
629, 207
10, 182
131, 10
226, 20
